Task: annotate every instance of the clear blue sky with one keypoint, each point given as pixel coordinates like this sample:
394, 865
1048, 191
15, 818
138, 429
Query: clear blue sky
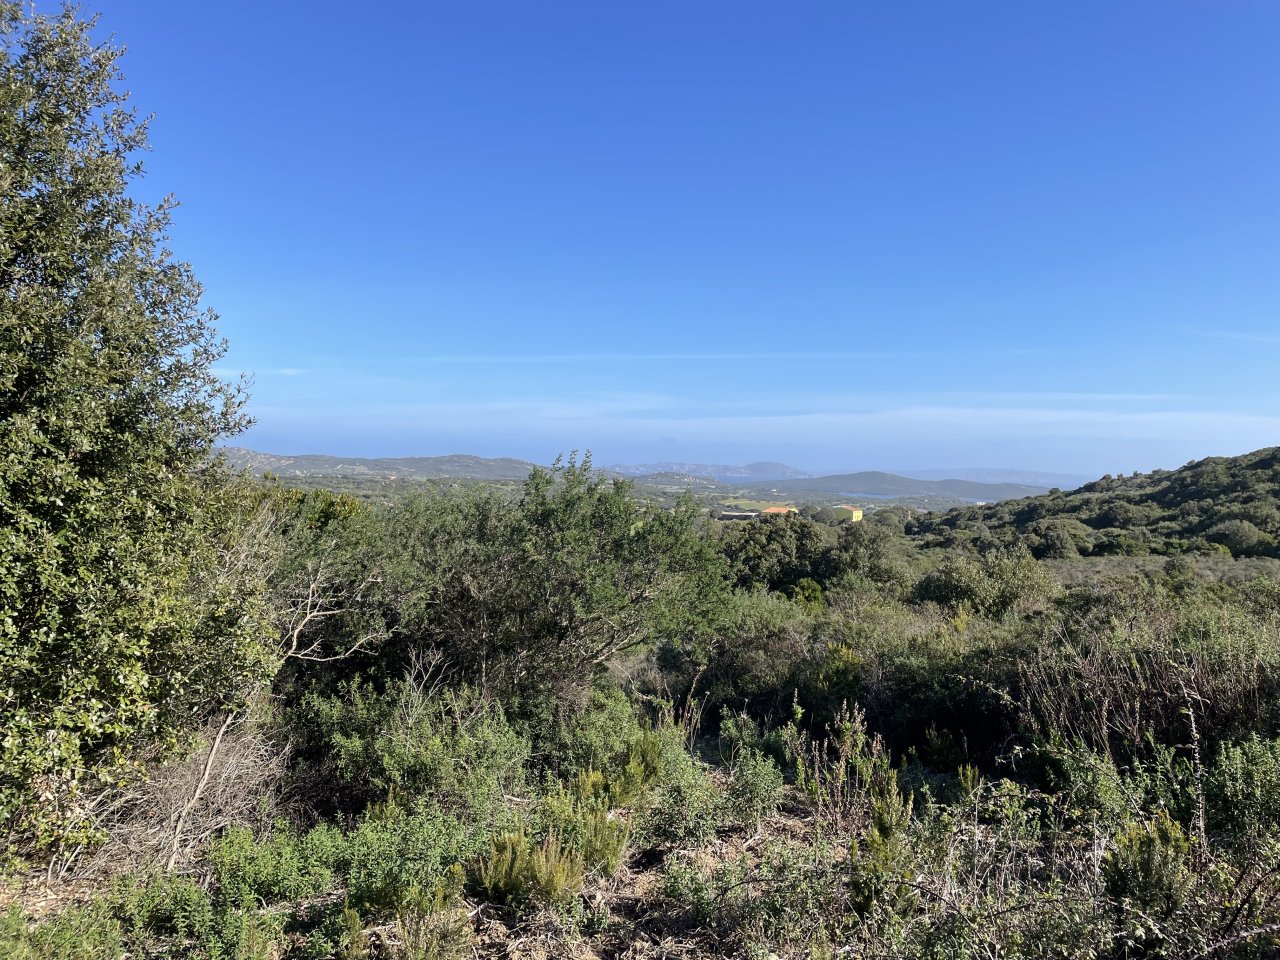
844, 235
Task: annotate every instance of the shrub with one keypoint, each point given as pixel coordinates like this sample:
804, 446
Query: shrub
518, 872
279, 866
786, 899
353, 943
599, 736
687, 805
844, 773
996, 585
397, 856
1242, 792
77, 933
1147, 866
247, 935
168, 915
642, 767
585, 825
451, 748
168, 907
434, 926
755, 790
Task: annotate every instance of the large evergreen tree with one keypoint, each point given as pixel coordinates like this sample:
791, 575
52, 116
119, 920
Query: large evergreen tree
120, 626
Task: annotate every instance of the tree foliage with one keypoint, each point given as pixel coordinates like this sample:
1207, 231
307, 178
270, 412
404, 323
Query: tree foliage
1220, 504
120, 618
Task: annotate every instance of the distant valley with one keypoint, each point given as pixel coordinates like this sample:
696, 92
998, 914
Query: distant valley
714, 471
454, 466
763, 481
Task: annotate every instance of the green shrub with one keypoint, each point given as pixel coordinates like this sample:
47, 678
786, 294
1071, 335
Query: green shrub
738, 732
642, 766
434, 925
599, 736
353, 943
168, 915
167, 907
518, 872
586, 826
1147, 866
1242, 792
999, 583
786, 899
76, 933
279, 866
247, 935
687, 805
755, 791
453, 749
398, 856
844, 773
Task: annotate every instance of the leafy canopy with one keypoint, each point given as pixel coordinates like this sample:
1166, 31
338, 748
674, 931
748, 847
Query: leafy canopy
119, 621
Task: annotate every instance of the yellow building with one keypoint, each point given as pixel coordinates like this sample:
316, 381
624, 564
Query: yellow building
855, 513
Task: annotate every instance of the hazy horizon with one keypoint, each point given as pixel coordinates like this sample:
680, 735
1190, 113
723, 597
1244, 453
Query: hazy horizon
926, 470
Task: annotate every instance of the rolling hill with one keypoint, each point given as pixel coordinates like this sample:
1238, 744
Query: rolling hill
461, 466
1216, 505
715, 471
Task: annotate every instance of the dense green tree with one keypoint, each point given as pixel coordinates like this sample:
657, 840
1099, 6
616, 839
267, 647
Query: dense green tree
122, 617
776, 551
864, 550
529, 600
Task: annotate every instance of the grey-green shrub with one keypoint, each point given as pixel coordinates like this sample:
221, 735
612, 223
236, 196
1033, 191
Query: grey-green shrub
687, 805
755, 791
452, 749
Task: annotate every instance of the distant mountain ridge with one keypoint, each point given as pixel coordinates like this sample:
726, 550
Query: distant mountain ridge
455, 466
879, 485
778, 478
1034, 478
716, 471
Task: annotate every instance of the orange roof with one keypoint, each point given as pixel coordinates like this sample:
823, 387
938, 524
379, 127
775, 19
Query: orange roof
778, 510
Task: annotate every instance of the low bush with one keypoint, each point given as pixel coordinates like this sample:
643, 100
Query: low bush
167, 908
518, 872
686, 806
434, 925
1242, 791
791, 898
755, 790
1147, 866
278, 866
587, 826
396, 856
453, 749
599, 736
77, 933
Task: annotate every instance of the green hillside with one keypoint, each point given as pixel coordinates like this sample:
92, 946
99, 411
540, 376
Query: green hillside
454, 466
1223, 505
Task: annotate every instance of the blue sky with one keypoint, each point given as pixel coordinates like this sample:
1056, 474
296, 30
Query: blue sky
845, 235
